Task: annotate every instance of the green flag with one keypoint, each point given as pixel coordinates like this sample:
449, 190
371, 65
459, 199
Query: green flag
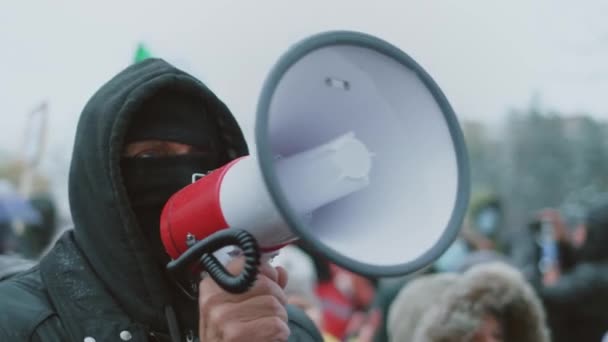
141, 53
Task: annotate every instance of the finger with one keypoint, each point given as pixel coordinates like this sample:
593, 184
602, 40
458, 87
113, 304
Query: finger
235, 266
269, 271
247, 311
265, 286
211, 294
264, 329
282, 277
217, 312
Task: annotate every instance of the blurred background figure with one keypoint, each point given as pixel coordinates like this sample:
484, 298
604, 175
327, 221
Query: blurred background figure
453, 257
484, 229
346, 299
574, 289
301, 291
535, 249
488, 303
386, 292
481, 257
27, 225
413, 301
15, 213
300, 288
37, 236
482, 234
28, 219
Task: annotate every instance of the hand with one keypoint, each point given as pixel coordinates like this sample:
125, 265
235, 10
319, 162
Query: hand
551, 276
256, 315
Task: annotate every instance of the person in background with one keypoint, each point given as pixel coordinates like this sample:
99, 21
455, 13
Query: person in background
342, 293
300, 288
536, 248
364, 326
37, 237
386, 292
484, 228
413, 301
575, 293
300, 292
490, 302
480, 257
455, 255
12, 260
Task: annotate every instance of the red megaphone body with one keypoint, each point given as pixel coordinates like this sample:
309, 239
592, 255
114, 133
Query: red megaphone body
236, 196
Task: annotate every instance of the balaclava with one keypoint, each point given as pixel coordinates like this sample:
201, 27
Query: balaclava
150, 181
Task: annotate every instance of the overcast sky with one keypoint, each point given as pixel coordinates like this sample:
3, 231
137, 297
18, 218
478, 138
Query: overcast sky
487, 56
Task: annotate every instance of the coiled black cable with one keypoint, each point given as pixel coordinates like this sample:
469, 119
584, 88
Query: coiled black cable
203, 252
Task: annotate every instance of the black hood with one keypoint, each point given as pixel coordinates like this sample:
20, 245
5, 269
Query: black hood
105, 226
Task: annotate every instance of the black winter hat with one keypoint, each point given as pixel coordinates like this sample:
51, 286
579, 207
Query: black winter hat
174, 116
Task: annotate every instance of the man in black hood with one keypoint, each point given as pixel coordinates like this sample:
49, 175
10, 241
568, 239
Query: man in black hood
139, 140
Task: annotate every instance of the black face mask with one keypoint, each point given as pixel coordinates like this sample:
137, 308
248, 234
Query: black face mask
150, 182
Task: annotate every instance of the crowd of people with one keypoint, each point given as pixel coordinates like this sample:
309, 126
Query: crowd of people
557, 292
139, 140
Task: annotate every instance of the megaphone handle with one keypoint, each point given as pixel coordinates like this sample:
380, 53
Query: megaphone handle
227, 237
235, 284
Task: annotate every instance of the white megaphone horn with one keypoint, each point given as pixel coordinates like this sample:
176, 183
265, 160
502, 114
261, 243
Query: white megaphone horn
359, 154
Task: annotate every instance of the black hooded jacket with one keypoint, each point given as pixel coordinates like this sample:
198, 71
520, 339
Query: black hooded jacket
101, 280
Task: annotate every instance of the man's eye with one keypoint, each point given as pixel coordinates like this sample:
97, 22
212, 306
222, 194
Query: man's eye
156, 153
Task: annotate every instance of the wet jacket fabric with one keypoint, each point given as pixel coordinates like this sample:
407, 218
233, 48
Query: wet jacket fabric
11, 265
100, 281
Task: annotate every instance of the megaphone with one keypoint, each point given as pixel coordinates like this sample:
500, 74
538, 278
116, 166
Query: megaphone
359, 154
